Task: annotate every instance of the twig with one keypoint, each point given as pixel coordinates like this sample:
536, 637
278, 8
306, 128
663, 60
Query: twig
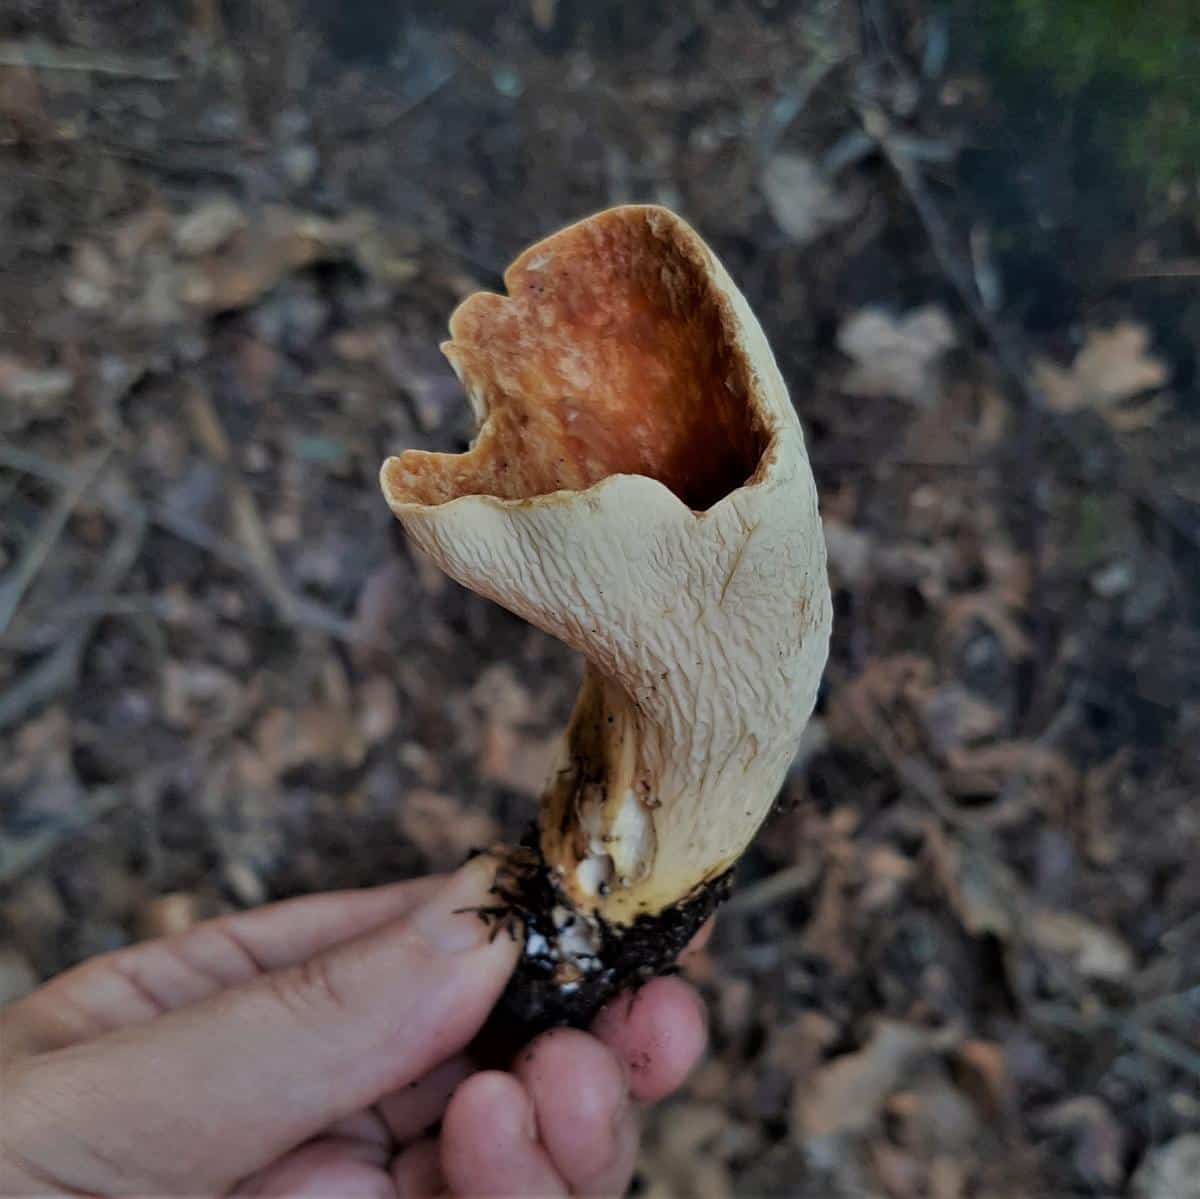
89, 607
789, 106
773, 889
248, 524
1159, 1045
23, 856
49, 531
43, 57
307, 613
1177, 268
57, 672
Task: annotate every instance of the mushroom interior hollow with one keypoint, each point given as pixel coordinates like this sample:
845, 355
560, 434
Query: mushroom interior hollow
614, 352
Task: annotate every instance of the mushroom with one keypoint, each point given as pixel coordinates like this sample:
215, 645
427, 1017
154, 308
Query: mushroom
638, 488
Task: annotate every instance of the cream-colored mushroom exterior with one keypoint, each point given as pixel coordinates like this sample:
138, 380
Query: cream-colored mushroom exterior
705, 631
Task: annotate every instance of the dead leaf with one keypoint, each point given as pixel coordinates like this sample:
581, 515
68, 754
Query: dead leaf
503, 699
379, 708
898, 357
1098, 1140
985, 1075
321, 733
442, 828
269, 249
1112, 367
954, 717
802, 200
847, 1095
379, 602
208, 226
1043, 771
991, 610
516, 760
947, 1178
886, 873
888, 695
169, 914
1170, 1171
1094, 951
850, 552
30, 393
196, 694
934, 1117
92, 279
899, 1173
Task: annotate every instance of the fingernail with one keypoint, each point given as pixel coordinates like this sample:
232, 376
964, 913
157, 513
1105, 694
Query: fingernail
450, 921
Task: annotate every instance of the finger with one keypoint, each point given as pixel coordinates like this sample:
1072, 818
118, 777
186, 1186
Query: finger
211, 1092
417, 1172
490, 1141
325, 1168
136, 984
416, 1108
659, 1032
700, 940
366, 1126
585, 1118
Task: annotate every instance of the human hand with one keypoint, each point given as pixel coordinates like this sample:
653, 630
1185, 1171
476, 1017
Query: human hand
310, 1047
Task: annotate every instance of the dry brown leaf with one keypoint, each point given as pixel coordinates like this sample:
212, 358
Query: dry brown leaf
954, 717
380, 711
991, 610
208, 226
947, 1178
515, 760
896, 356
444, 829
849, 552
197, 694
828, 934
848, 1094
885, 874
169, 914
1170, 1171
323, 734
1094, 951
1098, 1139
891, 691
254, 260
899, 1173
1041, 770
29, 393
985, 1075
803, 201
1113, 366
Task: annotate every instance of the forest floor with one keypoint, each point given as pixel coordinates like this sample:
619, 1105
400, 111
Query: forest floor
963, 958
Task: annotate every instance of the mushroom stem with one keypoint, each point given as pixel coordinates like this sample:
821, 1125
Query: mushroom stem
640, 489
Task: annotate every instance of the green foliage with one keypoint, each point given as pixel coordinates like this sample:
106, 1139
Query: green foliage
1137, 62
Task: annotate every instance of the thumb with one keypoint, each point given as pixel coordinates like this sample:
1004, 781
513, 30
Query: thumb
205, 1095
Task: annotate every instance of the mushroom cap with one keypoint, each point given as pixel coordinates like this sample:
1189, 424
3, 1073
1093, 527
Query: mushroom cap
639, 488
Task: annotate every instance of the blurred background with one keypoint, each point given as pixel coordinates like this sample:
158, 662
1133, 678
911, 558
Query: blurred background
963, 958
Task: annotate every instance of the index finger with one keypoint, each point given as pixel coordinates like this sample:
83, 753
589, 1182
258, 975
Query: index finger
132, 985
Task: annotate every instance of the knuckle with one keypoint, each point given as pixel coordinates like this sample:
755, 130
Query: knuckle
311, 990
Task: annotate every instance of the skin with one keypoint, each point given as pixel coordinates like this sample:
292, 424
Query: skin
319, 1048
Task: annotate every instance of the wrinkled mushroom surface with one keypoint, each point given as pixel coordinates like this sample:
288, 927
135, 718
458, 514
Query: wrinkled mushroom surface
639, 488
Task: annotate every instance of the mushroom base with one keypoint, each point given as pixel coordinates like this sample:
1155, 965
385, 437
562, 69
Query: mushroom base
554, 985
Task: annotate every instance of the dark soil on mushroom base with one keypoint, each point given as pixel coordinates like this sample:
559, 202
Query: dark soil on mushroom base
553, 985
962, 957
